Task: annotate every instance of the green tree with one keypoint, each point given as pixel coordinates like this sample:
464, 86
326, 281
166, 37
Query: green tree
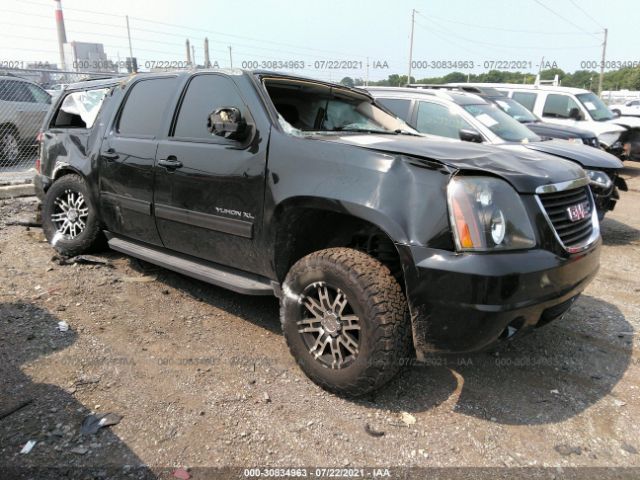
347, 81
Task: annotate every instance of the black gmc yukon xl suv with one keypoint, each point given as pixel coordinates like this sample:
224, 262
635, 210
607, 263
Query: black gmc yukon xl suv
381, 244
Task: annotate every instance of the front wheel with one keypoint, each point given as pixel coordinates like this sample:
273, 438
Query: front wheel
69, 218
345, 320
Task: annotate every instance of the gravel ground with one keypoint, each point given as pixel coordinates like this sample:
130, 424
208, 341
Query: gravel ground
202, 378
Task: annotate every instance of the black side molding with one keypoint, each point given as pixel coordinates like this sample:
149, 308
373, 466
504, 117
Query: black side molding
226, 277
233, 226
128, 203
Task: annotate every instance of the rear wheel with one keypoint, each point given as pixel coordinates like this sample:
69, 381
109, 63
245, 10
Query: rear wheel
345, 320
69, 219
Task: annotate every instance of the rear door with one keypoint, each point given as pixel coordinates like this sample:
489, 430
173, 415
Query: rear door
127, 156
209, 203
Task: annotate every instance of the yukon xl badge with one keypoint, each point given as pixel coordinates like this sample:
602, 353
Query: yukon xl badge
579, 211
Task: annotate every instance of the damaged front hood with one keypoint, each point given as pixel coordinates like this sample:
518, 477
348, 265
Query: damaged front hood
524, 169
626, 121
588, 157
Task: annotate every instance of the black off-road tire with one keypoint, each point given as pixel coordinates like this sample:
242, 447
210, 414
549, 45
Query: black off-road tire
374, 296
90, 238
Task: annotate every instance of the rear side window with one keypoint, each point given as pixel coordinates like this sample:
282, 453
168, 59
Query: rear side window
558, 106
205, 94
80, 109
398, 106
39, 95
15, 91
526, 99
144, 109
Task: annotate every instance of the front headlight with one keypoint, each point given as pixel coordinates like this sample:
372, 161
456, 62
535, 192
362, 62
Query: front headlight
599, 179
487, 214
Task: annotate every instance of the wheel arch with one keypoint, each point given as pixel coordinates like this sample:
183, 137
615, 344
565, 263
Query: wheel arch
303, 225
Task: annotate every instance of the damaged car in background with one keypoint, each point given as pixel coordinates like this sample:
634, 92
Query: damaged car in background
378, 241
576, 107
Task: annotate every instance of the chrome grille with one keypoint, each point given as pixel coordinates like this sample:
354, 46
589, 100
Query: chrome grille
573, 234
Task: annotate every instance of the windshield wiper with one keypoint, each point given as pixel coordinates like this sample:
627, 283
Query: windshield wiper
364, 130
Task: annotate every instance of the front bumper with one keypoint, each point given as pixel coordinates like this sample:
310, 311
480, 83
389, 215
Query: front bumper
469, 302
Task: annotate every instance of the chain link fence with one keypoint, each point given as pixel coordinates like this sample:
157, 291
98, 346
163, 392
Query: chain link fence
26, 95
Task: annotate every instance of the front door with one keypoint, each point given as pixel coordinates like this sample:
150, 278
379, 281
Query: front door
127, 156
208, 189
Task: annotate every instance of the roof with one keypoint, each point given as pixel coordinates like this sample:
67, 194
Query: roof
522, 86
456, 96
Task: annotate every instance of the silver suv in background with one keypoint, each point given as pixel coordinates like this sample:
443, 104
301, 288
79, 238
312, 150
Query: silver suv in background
23, 106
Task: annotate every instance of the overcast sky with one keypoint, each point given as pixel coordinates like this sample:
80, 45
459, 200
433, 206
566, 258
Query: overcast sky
329, 30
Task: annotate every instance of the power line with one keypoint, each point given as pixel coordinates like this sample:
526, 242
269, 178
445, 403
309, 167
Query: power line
510, 30
206, 31
563, 18
586, 14
499, 45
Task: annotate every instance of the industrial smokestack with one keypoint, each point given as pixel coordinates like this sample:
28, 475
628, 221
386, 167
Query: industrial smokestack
62, 35
207, 60
188, 53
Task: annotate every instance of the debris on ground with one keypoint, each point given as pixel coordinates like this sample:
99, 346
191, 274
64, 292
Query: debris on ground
92, 423
372, 432
266, 397
182, 474
80, 450
566, 450
28, 447
407, 418
63, 326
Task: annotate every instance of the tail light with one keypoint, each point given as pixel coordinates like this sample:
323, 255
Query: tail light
39, 140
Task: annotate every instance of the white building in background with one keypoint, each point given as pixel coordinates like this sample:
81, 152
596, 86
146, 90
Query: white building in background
87, 57
619, 96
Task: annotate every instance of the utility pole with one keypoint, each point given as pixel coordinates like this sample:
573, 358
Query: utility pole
207, 60
62, 35
604, 56
366, 80
230, 57
193, 55
188, 51
134, 66
413, 21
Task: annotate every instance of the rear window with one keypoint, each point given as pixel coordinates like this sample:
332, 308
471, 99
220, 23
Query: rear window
80, 109
144, 109
526, 99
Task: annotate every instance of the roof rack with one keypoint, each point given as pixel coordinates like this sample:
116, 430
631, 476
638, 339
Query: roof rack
481, 91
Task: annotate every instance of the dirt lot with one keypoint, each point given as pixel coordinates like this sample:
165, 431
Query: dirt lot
202, 378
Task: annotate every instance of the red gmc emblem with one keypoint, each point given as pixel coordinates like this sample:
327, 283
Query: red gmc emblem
579, 211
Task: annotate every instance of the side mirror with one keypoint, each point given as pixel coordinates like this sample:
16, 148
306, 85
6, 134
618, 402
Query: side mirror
575, 114
467, 135
227, 122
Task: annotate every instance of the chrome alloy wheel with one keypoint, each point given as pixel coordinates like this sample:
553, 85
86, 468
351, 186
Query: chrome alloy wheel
329, 327
70, 214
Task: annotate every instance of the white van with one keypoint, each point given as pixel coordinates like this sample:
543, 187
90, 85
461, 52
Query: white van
575, 107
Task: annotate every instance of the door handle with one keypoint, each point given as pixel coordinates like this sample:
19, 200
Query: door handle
110, 155
170, 163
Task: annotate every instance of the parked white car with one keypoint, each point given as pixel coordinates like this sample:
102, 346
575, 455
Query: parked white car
630, 108
578, 108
